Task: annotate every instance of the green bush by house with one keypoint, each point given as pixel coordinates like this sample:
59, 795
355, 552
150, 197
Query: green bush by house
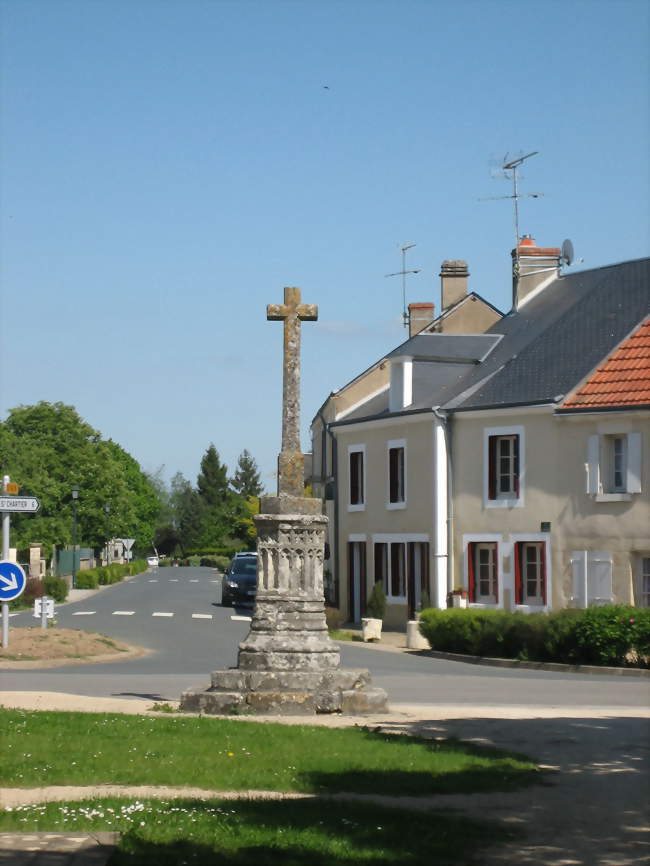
613, 635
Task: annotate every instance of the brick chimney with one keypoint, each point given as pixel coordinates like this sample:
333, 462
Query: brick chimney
453, 282
533, 268
420, 315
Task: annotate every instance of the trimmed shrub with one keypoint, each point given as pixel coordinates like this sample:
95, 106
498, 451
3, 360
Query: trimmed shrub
57, 588
334, 618
613, 635
608, 635
87, 579
208, 562
376, 604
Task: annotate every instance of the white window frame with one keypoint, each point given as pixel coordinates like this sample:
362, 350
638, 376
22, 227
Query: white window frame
401, 504
504, 501
485, 538
356, 449
384, 538
600, 465
533, 537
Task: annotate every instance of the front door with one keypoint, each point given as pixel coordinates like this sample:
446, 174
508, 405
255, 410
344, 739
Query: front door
357, 579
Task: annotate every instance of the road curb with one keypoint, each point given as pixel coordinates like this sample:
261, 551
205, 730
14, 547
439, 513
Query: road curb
558, 667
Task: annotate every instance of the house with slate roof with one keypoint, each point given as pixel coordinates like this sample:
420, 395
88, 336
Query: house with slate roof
477, 468
462, 312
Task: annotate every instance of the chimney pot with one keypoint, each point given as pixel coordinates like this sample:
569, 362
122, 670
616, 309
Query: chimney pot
420, 315
453, 282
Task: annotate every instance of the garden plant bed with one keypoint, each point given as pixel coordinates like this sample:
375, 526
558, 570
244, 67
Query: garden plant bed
37, 648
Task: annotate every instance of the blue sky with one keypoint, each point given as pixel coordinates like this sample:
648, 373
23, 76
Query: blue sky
167, 166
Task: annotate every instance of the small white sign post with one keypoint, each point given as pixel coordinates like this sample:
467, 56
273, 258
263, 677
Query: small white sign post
12, 577
44, 609
128, 544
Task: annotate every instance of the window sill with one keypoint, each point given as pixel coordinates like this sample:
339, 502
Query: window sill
357, 507
531, 608
503, 503
613, 497
395, 506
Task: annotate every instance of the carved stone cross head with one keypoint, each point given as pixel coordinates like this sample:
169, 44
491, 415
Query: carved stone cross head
291, 461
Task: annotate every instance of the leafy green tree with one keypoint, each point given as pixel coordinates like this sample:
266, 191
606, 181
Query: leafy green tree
47, 449
247, 480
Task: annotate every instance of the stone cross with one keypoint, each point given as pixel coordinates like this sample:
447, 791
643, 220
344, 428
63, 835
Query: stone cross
291, 460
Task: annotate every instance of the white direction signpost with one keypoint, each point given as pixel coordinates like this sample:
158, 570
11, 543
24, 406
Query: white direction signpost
12, 577
22, 504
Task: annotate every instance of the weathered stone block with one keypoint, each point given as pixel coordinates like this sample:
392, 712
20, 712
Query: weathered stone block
214, 703
281, 702
276, 661
228, 680
367, 700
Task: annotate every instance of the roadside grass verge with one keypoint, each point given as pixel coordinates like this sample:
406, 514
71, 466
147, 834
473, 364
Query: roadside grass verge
249, 833
343, 634
57, 748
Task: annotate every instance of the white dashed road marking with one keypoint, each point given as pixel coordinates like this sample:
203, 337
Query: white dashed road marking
153, 580
123, 612
241, 618
201, 616
173, 580
83, 613
160, 613
194, 580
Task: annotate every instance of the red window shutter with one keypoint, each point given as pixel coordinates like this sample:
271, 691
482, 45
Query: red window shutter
496, 573
471, 552
516, 462
542, 554
362, 576
350, 580
492, 467
519, 589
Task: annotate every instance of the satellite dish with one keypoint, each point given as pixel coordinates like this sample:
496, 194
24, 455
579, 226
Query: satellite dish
567, 254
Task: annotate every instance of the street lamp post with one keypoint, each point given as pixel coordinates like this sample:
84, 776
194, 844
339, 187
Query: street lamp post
107, 509
75, 496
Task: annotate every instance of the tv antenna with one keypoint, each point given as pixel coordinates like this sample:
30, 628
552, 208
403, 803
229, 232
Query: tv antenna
509, 168
403, 273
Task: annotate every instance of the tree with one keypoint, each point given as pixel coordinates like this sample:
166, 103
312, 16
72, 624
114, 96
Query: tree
47, 449
246, 479
212, 482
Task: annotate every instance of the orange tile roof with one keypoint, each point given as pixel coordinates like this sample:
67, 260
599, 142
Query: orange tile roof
623, 379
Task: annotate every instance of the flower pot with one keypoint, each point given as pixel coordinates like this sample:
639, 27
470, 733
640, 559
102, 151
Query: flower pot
371, 628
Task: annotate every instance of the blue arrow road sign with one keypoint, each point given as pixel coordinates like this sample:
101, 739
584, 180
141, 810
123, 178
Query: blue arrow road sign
12, 580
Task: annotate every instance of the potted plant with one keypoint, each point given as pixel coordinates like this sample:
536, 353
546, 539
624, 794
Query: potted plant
458, 597
376, 608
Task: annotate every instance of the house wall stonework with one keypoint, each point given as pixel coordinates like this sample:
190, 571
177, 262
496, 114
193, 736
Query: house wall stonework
554, 485
413, 522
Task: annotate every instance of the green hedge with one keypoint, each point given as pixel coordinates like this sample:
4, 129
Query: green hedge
105, 575
615, 635
56, 588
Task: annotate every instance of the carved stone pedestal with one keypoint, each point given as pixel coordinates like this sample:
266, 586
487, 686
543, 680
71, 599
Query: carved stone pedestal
288, 664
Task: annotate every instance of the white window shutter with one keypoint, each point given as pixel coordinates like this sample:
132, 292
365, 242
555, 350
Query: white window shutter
578, 578
593, 469
634, 463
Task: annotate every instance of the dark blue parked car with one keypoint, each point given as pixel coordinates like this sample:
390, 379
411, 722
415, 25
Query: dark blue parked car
240, 580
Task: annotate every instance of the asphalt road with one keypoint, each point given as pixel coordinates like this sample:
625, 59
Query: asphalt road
174, 613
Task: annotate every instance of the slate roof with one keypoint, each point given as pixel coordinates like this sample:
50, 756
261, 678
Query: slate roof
622, 380
469, 348
552, 342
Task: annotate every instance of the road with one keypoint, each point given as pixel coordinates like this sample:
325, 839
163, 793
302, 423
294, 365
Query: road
173, 612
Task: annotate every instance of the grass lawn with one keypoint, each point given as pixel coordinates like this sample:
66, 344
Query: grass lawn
298, 833
56, 748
